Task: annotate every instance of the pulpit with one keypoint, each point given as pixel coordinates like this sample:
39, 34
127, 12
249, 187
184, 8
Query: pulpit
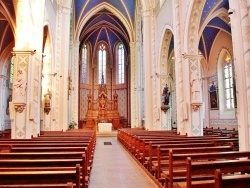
102, 110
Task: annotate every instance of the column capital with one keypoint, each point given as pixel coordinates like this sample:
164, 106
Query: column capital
31, 52
65, 9
148, 12
191, 56
19, 106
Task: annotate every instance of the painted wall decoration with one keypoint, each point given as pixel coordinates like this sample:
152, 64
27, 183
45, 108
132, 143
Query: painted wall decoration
213, 91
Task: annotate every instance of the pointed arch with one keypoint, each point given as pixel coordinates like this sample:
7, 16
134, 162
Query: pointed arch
96, 9
226, 85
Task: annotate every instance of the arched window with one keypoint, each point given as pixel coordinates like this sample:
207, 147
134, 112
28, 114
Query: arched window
102, 62
121, 65
84, 64
228, 82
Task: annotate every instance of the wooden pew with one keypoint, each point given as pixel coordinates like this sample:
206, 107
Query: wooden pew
40, 162
42, 146
152, 159
51, 140
42, 178
177, 162
57, 151
7, 144
138, 144
40, 152
48, 146
142, 147
69, 139
42, 155
153, 149
231, 181
126, 137
201, 174
162, 166
54, 163
63, 185
221, 132
50, 155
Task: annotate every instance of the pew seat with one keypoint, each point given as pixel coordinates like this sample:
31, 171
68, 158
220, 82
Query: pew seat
231, 181
207, 169
43, 177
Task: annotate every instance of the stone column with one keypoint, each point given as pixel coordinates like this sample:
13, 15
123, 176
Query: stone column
134, 89
3, 103
195, 126
22, 113
63, 37
75, 82
181, 104
147, 59
239, 18
25, 106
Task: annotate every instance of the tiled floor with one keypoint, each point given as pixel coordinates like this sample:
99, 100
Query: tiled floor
113, 167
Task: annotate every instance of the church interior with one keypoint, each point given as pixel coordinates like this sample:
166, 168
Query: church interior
138, 81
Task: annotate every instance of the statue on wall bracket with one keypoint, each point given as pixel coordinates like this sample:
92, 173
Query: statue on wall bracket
47, 106
195, 91
165, 99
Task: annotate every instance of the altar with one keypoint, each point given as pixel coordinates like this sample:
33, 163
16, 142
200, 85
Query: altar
102, 113
104, 127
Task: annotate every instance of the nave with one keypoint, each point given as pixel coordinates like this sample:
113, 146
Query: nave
113, 166
134, 158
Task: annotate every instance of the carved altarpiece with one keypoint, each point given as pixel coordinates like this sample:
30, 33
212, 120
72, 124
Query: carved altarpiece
102, 110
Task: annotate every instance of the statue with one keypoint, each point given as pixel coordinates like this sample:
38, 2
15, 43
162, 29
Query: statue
102, 106
102, 95
102, 91
89, 101
195, 87
165, 95
115, 101
47, 97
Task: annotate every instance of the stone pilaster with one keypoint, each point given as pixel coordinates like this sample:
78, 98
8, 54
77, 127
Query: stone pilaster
134, 87
178, 43
3, 88
62, 59
239, 18
191, 97
195, 124
147, 59
24, 109
75, 82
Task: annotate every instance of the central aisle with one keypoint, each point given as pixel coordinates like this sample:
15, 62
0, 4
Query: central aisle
113, 167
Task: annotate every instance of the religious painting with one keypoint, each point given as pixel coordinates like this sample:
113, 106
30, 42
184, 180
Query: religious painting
213, 94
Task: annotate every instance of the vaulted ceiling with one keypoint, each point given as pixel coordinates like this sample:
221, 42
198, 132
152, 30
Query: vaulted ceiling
215, 25
113, 20
107, 24
7, 22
